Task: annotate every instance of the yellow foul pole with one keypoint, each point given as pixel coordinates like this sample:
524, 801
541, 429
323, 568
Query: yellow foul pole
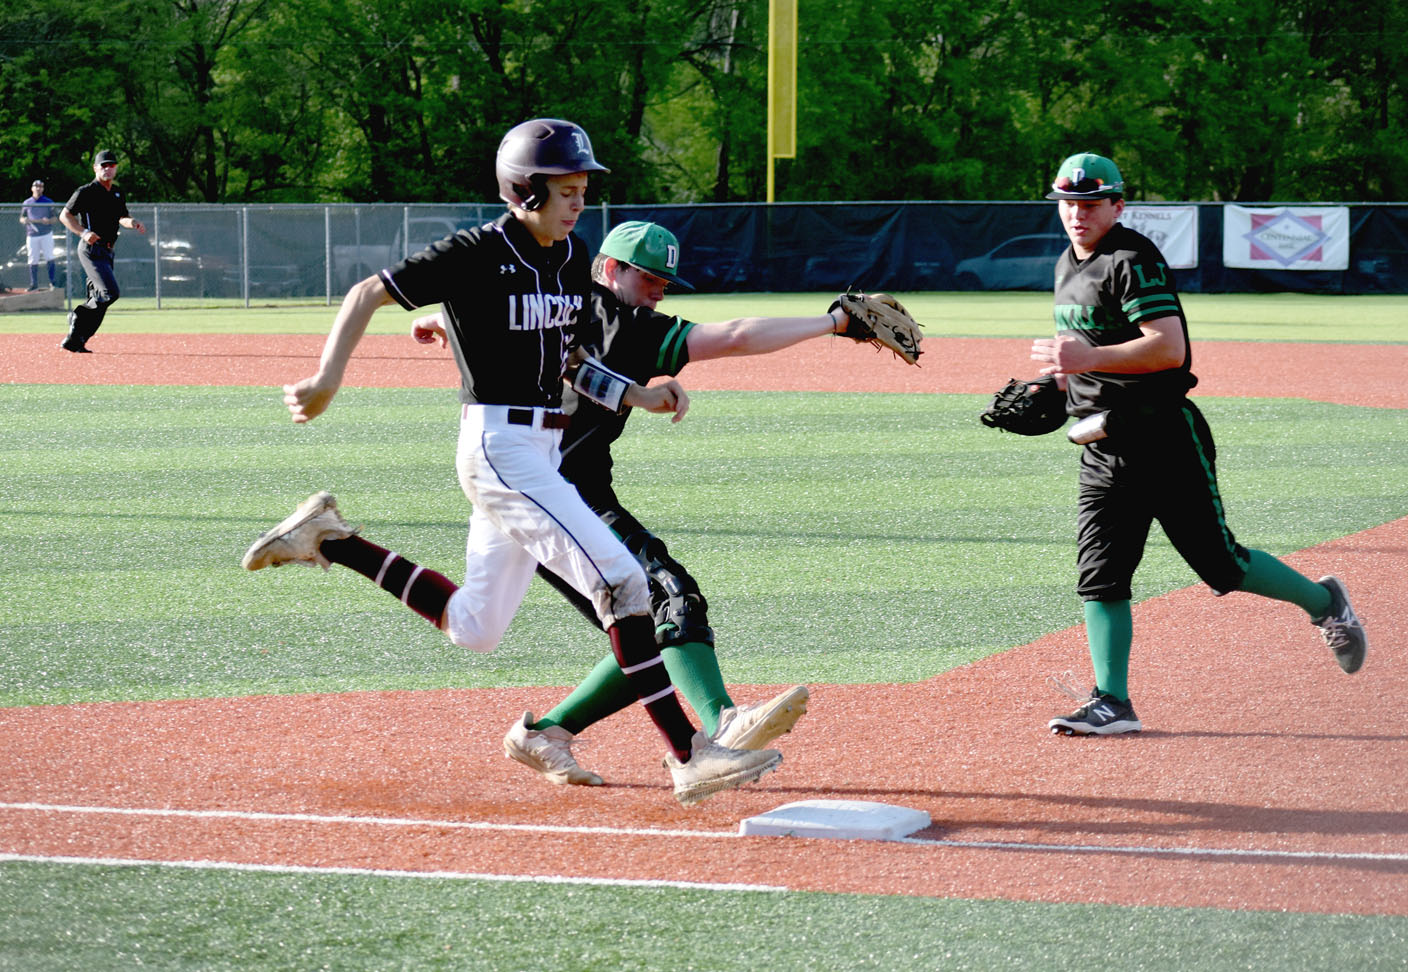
782, 83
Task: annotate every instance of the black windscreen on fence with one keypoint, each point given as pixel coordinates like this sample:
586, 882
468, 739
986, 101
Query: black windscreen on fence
256, 253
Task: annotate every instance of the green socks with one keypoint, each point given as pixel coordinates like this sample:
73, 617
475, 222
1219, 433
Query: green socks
1269, 577
1109, 625
693, 669
1109, 630
604, 691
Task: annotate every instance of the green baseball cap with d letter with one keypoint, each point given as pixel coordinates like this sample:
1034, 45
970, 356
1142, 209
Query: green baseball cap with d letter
1087, 176
649, 247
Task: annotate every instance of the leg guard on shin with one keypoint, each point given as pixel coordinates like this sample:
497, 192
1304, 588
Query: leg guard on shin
679, 607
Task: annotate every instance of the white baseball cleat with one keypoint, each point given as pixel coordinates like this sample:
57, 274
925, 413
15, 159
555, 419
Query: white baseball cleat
712, 768
754, 726
296, 539
549, 751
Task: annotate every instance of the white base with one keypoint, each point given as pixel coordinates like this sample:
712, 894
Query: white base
836, 819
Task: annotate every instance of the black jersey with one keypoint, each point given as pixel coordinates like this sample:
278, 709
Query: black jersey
1102, 300
637, 342
513, 308
99, 209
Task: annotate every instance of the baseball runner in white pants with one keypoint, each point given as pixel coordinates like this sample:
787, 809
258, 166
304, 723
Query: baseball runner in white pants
525, 513
516, 295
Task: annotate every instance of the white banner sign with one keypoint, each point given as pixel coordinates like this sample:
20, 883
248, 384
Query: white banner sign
1286, 238
1174, 230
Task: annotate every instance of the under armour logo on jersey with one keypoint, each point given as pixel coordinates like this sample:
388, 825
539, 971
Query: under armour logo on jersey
507, 268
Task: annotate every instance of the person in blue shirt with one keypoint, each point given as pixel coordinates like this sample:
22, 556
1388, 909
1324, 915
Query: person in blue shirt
37, 216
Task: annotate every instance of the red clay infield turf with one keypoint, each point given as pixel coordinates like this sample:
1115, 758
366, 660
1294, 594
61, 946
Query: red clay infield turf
1266, 778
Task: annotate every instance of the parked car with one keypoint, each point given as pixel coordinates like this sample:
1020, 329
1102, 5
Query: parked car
1021, 263
134, 264
267, 280
353, 261
14, 273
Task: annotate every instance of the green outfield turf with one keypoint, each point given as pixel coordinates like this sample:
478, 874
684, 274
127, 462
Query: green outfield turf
61, 918
1375, 319
126, 510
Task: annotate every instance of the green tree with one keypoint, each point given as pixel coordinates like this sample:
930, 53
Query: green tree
902, 99
1353, 135
179, 66
58, 93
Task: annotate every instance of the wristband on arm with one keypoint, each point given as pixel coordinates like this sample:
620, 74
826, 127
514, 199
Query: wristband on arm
602, 385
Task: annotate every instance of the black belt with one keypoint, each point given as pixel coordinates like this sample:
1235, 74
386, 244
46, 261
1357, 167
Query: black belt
551, 420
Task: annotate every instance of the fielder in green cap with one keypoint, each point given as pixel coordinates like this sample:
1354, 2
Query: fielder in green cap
636, 264
648, 247
1121, 353
1087, 176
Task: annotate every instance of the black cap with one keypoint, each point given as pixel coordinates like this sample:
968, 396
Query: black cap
105, 156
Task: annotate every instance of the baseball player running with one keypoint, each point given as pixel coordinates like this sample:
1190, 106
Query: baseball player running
1121, 351
635, 265
516, 295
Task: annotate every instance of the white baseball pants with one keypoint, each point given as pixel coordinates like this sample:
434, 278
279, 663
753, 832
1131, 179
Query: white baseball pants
525, 514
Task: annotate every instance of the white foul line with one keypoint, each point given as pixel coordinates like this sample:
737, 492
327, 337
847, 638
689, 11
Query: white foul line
1142, 850
367, 821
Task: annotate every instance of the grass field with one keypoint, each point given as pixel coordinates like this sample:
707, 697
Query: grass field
136, 503
126, 510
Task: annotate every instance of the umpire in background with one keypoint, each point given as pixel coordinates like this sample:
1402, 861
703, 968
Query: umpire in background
96, 212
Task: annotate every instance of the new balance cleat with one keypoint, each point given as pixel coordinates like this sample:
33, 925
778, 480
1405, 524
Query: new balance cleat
1341, 628
1103, 715
754, 726
549, 751
712, 768
296, 539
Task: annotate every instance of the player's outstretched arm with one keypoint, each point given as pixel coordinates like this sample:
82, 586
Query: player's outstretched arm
757, 335
310, 397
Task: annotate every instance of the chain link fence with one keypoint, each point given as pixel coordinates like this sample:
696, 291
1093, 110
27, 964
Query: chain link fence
233, 254
249, 254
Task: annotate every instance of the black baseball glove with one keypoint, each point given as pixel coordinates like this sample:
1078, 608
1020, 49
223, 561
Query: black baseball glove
1033, 407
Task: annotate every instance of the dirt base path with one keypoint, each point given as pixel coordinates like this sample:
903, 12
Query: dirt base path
1266, 779
1350, 374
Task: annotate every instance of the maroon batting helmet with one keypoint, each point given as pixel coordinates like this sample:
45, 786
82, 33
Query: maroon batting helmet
536, 149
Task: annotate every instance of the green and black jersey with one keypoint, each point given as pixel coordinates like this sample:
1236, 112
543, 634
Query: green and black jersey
639, 343
1102, 301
